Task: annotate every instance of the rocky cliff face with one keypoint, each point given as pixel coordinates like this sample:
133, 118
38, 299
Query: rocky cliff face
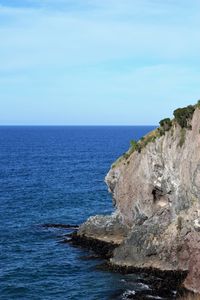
156, 192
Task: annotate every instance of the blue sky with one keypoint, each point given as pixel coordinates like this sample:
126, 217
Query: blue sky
99, 62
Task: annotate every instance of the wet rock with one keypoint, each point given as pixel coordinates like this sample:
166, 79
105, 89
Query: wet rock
102, 248
61, 226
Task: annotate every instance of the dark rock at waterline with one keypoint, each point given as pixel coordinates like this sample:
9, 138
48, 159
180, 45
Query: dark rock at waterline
164, 284
160, 285
89, 257
159, 280
61, 226
101, 248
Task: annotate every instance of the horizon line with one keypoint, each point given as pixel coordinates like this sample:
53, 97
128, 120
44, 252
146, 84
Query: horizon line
74, 125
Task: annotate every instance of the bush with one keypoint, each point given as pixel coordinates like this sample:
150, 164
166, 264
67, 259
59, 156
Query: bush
198, 104
126, 155
179, 223
184, 115
182, 138
161, 131
149, 139
133, 144
166, 124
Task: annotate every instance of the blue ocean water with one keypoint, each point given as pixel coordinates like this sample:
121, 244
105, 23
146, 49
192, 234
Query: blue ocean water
56, 175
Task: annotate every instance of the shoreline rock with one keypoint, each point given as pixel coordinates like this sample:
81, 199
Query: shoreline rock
164, 283
156, 193
103, 249
62, 226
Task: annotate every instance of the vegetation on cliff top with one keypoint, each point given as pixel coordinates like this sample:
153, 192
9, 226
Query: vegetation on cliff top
166, 124
182, 116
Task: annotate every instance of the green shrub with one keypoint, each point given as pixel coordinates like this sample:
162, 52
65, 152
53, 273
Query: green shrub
161, 131
166, 124
182, 138
179, 223
150, 139
184, 115
133, 144
126, 155
198, 104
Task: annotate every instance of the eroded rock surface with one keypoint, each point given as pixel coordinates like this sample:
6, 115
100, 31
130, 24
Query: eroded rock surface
105, 228
156, 192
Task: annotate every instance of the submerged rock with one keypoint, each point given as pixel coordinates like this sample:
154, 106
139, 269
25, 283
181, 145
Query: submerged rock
156, 192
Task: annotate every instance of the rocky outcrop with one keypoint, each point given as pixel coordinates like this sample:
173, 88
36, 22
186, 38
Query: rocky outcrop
156, 193
105, 228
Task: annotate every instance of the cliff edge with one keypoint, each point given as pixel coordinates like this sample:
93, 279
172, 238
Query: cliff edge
156, 194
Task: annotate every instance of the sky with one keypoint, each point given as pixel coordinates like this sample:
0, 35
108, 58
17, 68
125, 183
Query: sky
97, 62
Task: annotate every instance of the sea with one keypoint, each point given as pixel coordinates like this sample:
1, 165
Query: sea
55, 174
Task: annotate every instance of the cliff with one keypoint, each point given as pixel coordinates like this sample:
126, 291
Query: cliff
156, 193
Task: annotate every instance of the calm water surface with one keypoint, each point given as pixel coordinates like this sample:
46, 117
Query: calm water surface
56, 175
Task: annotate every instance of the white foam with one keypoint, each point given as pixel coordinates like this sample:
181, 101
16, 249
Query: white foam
143, 286
154, 297
127, 294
